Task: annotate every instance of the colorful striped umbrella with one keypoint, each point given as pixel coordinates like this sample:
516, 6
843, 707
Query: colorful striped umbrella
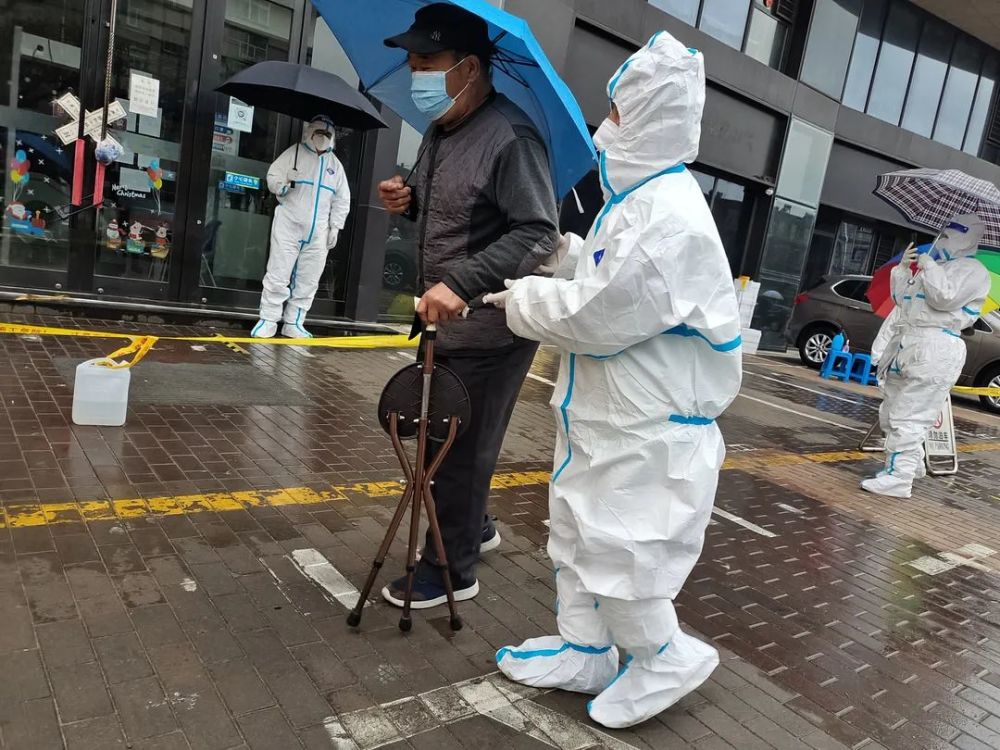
880, 290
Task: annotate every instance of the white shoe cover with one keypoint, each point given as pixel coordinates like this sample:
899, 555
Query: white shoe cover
295, 331
264, 329
645, 687
889, 486
551, 662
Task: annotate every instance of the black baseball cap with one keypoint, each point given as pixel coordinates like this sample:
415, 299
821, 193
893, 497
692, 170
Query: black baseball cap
442, 26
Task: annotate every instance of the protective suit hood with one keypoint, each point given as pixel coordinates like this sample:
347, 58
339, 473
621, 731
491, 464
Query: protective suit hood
319, 124
961, 237
660, 95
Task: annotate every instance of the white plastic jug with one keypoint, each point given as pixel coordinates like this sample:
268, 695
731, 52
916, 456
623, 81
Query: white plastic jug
100, 394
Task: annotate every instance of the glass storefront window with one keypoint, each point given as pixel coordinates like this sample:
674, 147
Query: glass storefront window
929, 73
726, 20
959, 93
866, 43
40, 45
789, 233
238, 219
981, 107
685, 10
803, 166
766, 38
895, 61
326, 54
831, 38
136, 235
852, 249
730, 205
402, 244
706, 182
786, 247
731, 209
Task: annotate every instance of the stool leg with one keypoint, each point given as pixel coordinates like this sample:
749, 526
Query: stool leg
354, 617
435, 528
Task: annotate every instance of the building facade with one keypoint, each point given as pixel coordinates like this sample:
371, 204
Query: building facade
809, 100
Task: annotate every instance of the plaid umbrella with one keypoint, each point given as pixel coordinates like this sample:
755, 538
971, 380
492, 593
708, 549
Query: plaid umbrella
931, 197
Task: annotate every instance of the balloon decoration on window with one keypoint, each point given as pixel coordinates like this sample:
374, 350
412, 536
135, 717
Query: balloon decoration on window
20, 172
155, 176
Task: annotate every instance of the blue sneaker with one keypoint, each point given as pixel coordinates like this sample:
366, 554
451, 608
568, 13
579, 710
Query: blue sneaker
428, 592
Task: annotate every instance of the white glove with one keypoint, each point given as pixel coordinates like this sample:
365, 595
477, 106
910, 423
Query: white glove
925, 260
331, 239
552, 263
297, 175
910, 256
499, 299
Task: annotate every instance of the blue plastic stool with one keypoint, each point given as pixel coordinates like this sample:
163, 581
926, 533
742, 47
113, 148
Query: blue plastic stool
838, 366
839, 363
861, 370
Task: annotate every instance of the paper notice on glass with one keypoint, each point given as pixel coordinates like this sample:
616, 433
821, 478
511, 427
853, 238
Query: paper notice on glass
240, 116
93, 118
143, 94
68, 133
69, 104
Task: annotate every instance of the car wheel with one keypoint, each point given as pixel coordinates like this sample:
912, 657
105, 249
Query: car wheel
814, 346
991, 379
396, 273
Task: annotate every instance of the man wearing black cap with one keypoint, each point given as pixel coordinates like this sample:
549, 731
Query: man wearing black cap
486, 211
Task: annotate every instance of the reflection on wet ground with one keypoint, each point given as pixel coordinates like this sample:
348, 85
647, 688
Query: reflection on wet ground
150, 596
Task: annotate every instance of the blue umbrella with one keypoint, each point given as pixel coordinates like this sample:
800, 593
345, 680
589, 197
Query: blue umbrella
522, 72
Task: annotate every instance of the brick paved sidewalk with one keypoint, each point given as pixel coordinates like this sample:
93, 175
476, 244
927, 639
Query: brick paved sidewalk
177, 616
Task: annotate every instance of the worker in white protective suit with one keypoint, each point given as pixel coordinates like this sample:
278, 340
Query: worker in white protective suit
920, 350
645, 313
314, 201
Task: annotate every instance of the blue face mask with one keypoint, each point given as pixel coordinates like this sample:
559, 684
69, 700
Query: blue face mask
429, 90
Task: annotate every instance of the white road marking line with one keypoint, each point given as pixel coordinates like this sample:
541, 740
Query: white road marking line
745, 524
931, 566
810, 390
540, 379
315, 566
967, 557
791, 509
802, 414
491, 696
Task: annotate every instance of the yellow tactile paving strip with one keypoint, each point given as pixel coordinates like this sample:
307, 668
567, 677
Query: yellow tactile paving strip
22, 515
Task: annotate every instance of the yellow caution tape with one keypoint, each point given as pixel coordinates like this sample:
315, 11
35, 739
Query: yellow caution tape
139, 347
141, 344
967, 391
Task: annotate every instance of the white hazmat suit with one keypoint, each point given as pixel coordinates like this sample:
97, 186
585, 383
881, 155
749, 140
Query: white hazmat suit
645, 312
314, 202
920, 350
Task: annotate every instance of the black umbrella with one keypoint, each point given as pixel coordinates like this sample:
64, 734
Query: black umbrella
303, 92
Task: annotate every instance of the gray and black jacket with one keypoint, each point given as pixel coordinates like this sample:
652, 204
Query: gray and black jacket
486, 212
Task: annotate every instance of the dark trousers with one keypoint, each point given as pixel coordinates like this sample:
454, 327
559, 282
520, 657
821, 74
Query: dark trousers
462, 485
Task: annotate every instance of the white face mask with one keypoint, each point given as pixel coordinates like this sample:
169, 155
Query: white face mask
322, 142
607, 135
